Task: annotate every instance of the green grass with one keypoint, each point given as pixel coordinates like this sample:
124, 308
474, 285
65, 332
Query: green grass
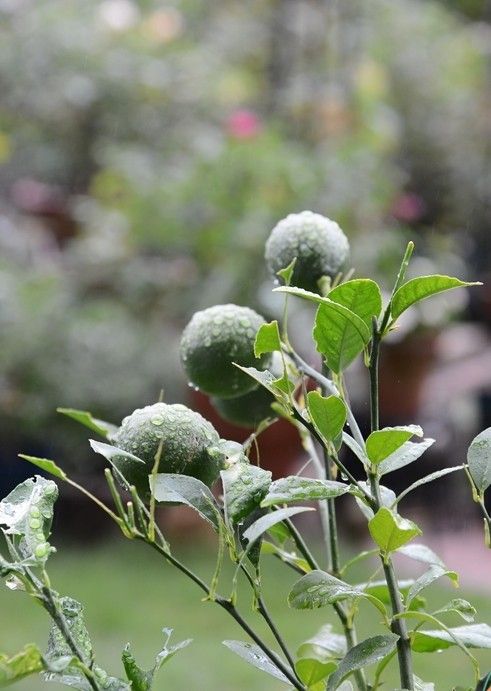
130, 594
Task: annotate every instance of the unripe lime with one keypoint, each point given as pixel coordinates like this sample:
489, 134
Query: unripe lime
319, 245
213, 340
253, 407
186, 440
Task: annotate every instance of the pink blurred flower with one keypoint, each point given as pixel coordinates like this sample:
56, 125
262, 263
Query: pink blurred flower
243, 124
408, 207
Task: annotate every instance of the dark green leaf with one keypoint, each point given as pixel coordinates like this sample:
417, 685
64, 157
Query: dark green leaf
267, 339
295, 488
264, 523
382, 443
390, 531
365, 653
28, 512
27, 661
471, 636
318, 589
328, 414
428, 577
479, 460
244, 486
46, 465
361, 296
254, 656
406, 454
171, 488
105, 429
421, 288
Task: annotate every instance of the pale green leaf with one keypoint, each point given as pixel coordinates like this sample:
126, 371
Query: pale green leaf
470, 636
390, 531
254, 656
382, 443
422, 553
264, 523
172, 488
323, 645
24, 663
295, 488
421, 288
105, 429
479, 459
428, 577
406, 454
46, 465
267, 339
328, 414
428, 478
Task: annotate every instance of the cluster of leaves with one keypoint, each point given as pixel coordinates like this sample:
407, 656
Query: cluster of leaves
253, 516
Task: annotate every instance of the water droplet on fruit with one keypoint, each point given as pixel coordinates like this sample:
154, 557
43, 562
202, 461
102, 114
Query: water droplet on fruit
157, 420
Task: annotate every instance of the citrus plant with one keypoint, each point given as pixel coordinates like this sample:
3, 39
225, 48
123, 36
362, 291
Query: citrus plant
168, 454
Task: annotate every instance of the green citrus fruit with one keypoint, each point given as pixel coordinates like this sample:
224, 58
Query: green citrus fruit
319, 245
253, 407
213, 340
186, 441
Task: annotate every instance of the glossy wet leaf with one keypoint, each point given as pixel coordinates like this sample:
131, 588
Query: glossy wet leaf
428, 577
461, 607
45, 464
266, 522
244, 486
479, 459
366, 653
382, 443
428, 478
172, 488
323, 645
390, 531
105, 429
422, 553
311, 671
387, 497
470, 636
267, 339
254, 656
328, 415
403, 456
295, 488
421, 288
27, 513
318, 589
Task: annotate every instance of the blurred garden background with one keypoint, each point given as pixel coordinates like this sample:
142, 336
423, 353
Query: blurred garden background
148, 148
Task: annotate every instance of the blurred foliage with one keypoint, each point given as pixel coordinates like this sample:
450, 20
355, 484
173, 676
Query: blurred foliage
148, 148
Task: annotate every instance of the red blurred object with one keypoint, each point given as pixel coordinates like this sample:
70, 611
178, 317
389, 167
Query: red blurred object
243, 124
279, 446
408, 208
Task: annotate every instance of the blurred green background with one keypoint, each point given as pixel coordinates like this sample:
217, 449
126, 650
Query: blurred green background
147, 149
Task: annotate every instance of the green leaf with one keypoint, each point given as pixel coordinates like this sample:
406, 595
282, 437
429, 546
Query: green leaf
105, 429
339, 333
46, 465
114, 456
142, 680
287, 273
470, 636
294, 488
428, 478
318, 589
328, 415
28, 513
267, 339
353, 445
479, 460
324, 645
254, 656
390, 531
428, 577
311, 671
244, 486
406, 454
270, 382
382, 443
287, 557
24, 663
361, 296
172, 488
421, 288
264, 523
340, 336
365, 653
387, 497
461, 607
